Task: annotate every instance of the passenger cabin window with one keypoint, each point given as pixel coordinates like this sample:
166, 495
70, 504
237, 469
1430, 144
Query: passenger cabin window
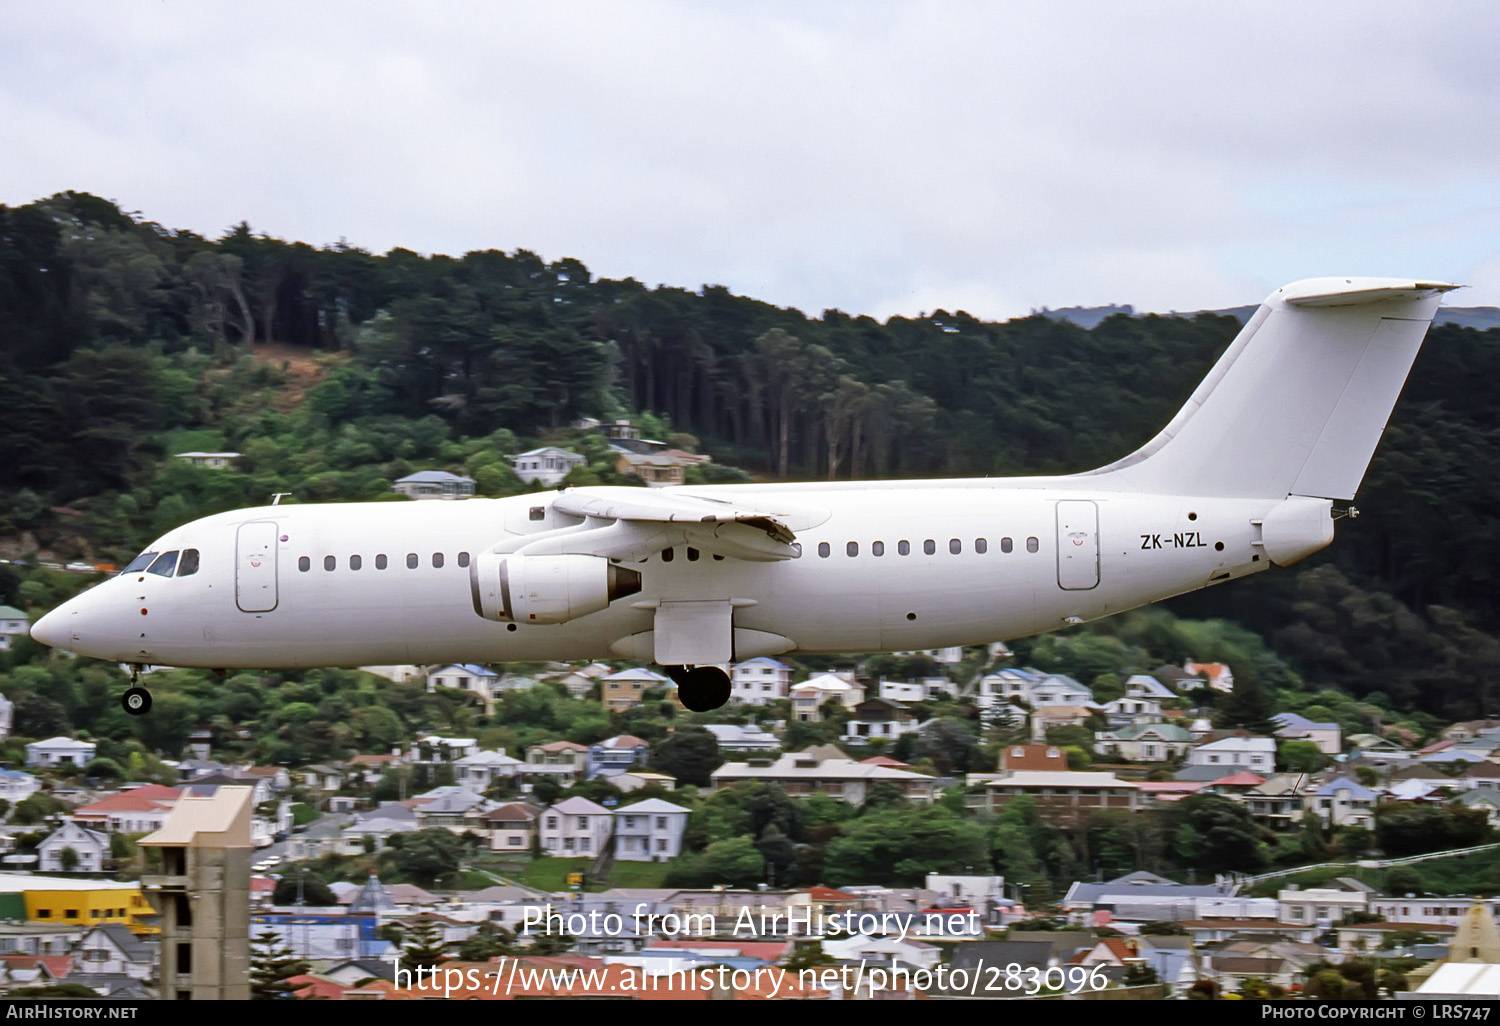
140, 562
165, 564
355, 562
1032, 544
903, 548
463, 559
304, 564
411, 561
1005, 545
330, 563
929, 546
823, 549
955, 546
437, 560
380, 561
667, 555
852, 548
189, 563
796, 547
981, 546
877, 548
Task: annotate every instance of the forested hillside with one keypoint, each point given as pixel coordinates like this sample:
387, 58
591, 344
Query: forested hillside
335, 370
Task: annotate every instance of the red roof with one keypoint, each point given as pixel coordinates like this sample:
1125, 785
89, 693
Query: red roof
1170, 786
562, 746
316, 987
884, 760
821, 893
147, 798
57, 966
1244, 778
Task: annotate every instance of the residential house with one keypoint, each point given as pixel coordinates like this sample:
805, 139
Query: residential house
634, 780
511, 828
1322, 906
1278, 802
7, 707
478, 771
1007, 685
564, 762
480, 680
575, 828
616, 755
136, 811
759, 681
378, 825
323, 778
749, 738
1137, 897
824, 770
212, 460
90, 849
1062, 798
879, 719
366, 770
621, 691
1227, 755
1151, 742
434, 484
1060, 689
1129, 709
809, 697
14, 623
60, 751
436, 750
1218, 675
453, 808
1032, 757
548, 465
16, 786
663, 469
112, 948
1294, 727
649, 831
1343, 802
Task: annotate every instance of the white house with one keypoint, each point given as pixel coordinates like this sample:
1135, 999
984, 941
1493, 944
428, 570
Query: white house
112, 948
213, 460
464, 677
1327, 736
1060, 689
91, 847
1005, 685
1218, 675
13, 624
809, 696
1231, 754
649, 831
1318, 905
749, 738
549, 464
434, 484
759, 681
827, 771
58, 751
1149, 742
480, 770
575, 828
1342, 802
16, 786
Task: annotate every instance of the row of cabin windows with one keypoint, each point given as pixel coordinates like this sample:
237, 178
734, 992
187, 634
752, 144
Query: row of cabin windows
929, 547
165, 564
304, 563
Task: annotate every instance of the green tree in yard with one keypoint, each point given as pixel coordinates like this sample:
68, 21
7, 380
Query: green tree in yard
313, 890
899, 846
68, 859
271, 964
1300, 757
429, 855
423, 944
1225, 836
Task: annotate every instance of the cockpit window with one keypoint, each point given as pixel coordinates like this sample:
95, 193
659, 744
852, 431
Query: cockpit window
139, 562
189, 563
165, 564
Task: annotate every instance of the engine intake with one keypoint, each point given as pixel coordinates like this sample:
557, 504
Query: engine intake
547, 589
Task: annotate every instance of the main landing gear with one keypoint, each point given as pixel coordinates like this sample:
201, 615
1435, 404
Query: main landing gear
136, 699
700, 688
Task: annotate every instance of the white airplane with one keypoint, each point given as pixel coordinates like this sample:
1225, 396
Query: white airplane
1244, 476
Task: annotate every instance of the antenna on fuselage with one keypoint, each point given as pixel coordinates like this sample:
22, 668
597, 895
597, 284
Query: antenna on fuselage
276, 497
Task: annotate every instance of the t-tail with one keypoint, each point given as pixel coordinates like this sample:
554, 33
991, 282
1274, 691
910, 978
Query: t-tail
1298, 402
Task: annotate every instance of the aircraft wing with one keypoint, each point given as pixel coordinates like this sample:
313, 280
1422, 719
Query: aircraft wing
632, 523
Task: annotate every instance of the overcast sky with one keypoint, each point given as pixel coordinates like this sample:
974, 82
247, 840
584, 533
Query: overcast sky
881, 158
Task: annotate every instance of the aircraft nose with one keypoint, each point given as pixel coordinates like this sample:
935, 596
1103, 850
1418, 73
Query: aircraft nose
53, 630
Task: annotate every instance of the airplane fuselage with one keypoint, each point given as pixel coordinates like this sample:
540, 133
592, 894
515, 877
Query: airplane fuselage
905, 568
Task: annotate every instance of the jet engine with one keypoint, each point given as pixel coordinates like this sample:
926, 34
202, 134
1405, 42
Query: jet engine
547, 589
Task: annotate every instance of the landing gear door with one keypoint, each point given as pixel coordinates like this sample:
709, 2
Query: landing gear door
1077, 545
255, 567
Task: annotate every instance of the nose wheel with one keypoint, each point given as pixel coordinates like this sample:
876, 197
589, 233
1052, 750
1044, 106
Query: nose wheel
137, 701
700, 688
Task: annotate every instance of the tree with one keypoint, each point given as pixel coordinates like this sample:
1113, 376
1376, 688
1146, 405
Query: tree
690, 755
302, 887
271, 964
1300, 757
428, 855
423, 947
1224, 836
68, 858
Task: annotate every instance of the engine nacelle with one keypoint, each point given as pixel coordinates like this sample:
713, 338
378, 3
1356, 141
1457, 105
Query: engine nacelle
547, 589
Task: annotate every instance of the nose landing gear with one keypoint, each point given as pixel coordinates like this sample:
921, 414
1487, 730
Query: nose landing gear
136, 700
700, 688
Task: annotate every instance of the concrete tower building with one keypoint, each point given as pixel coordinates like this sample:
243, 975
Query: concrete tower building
203, 894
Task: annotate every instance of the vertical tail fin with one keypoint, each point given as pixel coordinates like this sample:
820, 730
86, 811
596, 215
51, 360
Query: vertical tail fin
1297, 403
